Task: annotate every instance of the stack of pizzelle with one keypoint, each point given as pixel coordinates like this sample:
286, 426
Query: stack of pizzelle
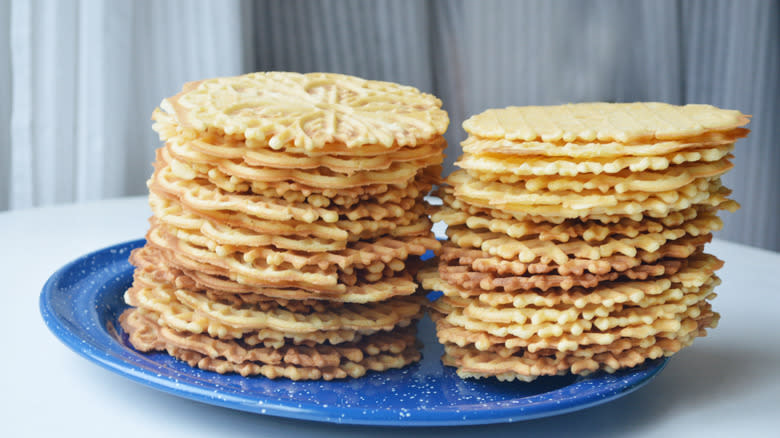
288, 215
576, 237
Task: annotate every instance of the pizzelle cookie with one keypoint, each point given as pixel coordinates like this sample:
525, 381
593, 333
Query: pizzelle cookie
586, 204
576, 237
693, 221
297, 361
309, 111
542, 165
288, 222
623, 123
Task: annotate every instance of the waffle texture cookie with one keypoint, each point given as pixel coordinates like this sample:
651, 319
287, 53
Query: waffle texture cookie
288, 221
577, 234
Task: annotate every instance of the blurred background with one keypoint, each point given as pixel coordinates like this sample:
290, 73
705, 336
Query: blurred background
79, 79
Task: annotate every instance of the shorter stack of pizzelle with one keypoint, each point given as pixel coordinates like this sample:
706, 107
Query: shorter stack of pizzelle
288, 214
576, 236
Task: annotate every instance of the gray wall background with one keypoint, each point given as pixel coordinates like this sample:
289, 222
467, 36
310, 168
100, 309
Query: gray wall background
476, 55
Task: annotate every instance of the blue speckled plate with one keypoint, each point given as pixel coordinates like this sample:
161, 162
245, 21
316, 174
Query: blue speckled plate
81, 302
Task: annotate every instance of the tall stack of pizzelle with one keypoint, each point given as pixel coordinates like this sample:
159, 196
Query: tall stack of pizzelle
288, 211
576, 237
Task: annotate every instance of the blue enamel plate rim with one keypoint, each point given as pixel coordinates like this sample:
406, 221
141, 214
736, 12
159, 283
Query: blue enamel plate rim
108, 352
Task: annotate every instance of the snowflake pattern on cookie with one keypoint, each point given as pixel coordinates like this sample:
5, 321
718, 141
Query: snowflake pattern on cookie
310, 111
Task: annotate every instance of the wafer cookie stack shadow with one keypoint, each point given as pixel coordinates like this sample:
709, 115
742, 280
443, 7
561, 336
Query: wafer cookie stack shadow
576, 237
288, 215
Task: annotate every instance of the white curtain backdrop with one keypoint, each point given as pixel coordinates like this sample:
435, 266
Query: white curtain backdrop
5, 103
84, 78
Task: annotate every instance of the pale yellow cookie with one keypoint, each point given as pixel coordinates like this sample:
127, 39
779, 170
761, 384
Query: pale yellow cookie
565, 166
310, 111
603, 122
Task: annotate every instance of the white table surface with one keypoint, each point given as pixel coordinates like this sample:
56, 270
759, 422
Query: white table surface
727, 384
